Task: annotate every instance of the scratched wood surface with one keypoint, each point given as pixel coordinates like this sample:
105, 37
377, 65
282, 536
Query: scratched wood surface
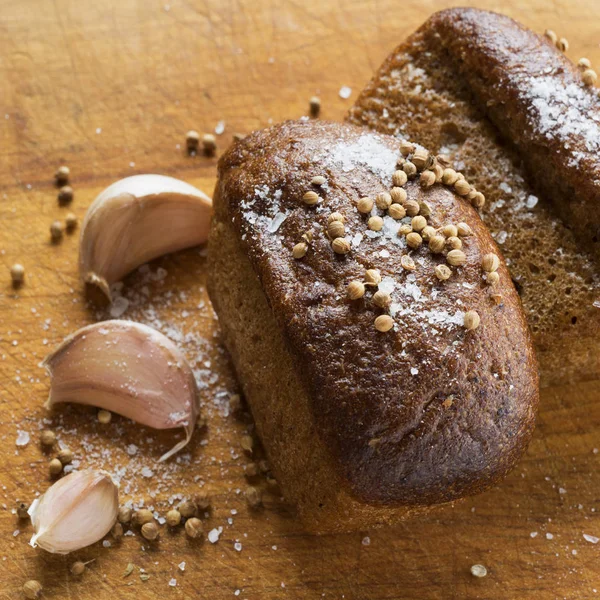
110, 88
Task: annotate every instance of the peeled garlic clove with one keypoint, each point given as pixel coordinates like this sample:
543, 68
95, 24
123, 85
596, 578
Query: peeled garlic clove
130, 369
135, 220
75, 512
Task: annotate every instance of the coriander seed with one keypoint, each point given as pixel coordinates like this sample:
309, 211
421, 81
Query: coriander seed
427, 178
209, 144
398, 195
117, 531
450, 230
478, 200
443, 160
310, 198
463, 230
414, 240
418, 223
149, 531
471, 320
490, 262
383, 200
299, 250
253, 497
449, 177
32, 589
421, 159
355, 290
454, 242
407, 263
399, 178
340, 245
478, 571
188, 509
65, 456
551, 35
141, 517
336, 216
77, 568
55, 467
462, 187
496, 299
397, 211
104, 417
202, 500
192, 140
56, 231
442, 272
336, 229
412, 208
456, 258
61, 176
424, 209
364, 205
22, 509
382, 299
372, 277
589, 77
314, 106
70, 222
173, 518
409, 168
584, 63
65, 194
124, 514
375, 223
384, 323
562, 44
492, 278
17, 274
318, 180
405, 229
438, 170
437, 244
194, 527
406, 148
428, 232
247, 443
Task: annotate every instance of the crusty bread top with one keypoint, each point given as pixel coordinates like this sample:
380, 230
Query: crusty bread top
428, 411
537, 98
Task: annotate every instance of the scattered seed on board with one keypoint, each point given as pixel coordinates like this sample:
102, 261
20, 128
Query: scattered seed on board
463, 230
55, 467
364, 205
318, 180
336, 229
438, 171
492, 278
202, 500
22, 509
407, 263
32, 589
490, 262
589, 77
428, 232
65, 194
247, 443
414, 240
104, 417
141, 517
308, 236
340, 245
375, 223
382, 299
209, 144
472, 320
253, 497
194, 527
56, 231
418, 223
124, 514
77, 568
443, 160
412, 208
399, 178
551, 35
454, 242
149, 531
383, 200
173, 518
192, 140
406, 148
456, 258
187, 509
397, 211
462, 187
584, 63
372, 277
442, 272
17, 273
405, 229
65, 456
117, 531
424, 209
562, 44
384, 323
427, 178
449, 177
478, 200
421, 158
450, 230
409, 168
310, 198
299, 250
70, 222
478, 571
61, 175
355, 290
314, 106
398, 195
437, 244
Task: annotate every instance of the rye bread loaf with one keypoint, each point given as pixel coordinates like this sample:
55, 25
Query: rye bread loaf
515, 117
363, 427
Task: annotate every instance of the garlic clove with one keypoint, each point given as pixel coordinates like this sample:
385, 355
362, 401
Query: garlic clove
135, 220
130, 369
78, 510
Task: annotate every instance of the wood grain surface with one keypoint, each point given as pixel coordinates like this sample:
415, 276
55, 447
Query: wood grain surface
110, 88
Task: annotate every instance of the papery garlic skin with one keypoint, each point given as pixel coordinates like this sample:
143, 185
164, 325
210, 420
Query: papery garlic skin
137, 219
78, 510
130, 369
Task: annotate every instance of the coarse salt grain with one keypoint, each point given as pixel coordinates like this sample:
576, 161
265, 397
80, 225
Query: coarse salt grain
181, 566
345, 92
213, 536
173, 582
238, 546
22, 438
591, 538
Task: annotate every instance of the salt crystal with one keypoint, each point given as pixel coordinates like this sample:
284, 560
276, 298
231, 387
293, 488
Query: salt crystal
147, 472
531, 201
366, 541
181, 566
238, 546
345, 92
414, 371
118, 307
22, 438
106, 544
173, 582
132, 449
213, 536
533, 534
220, 128
16, 532
501, 237
549, 536
591, 538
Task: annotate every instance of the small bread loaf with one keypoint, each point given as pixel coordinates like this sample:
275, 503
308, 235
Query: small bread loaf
492, 96
384, 377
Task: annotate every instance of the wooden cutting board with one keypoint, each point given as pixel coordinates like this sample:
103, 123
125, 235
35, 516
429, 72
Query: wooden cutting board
110, 88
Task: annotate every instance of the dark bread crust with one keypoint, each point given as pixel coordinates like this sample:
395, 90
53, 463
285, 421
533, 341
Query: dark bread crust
473, 84
391, 440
